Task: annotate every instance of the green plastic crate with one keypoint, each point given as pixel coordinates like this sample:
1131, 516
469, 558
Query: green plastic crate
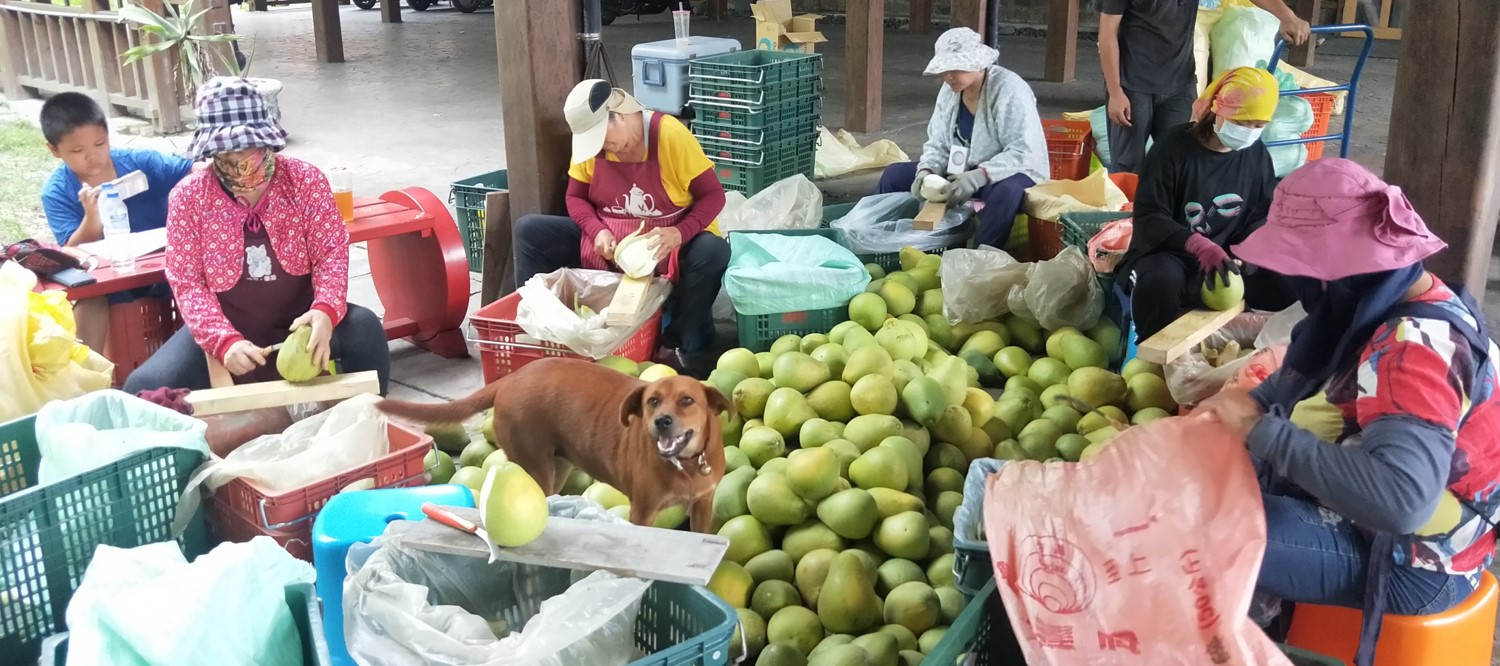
48, 534
891, 261
751, 170
1081, 227
681, 625
467, 197
757, 332
835, 211
719, 115
791, 128
751, 95
757, 67
969, 634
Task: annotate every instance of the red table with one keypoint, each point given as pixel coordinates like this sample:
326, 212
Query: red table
416, 261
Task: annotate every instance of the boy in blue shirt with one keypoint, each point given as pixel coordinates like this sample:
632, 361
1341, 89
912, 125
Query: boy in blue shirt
77, 133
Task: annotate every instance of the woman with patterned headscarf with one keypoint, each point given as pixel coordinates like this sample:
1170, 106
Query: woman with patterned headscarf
1204, 188
256, 247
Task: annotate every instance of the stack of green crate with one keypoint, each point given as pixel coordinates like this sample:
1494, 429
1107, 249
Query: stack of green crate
757, 115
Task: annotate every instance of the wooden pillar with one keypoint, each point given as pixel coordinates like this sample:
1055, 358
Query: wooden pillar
1306, 54
161, 82
328, 34
967, 14
1444, 143
864, 48
12, 55
921, 17
1062, 40
390, 11
540, 62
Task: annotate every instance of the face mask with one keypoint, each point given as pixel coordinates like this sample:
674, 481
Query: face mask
1238, 137
247, 174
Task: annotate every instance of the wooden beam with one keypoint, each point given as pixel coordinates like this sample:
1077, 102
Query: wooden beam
540, 62
161, 82
390, 11
328, 34
864, 48
1306, 54
1444, 143
1180, 336
1062, 40
12, 55
967, 14
921, 17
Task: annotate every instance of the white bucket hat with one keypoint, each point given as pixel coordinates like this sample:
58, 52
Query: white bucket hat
960, 50
587, 111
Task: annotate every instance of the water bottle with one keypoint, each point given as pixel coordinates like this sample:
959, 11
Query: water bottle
116, 220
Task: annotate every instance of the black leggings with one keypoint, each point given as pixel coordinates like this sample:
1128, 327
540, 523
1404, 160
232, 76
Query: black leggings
1163, 285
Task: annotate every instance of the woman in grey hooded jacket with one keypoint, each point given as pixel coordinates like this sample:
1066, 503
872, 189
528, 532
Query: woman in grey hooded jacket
985, 136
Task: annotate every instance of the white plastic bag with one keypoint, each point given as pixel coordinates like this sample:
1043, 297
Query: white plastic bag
1294, 116
882, 223
407, 606
977, 282
790, 203
1191, 378
1063, 291
148, 606
548, 312
350, 434
93, 430
1242, 38
841, 154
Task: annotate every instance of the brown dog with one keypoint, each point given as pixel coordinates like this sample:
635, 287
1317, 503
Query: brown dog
659, 443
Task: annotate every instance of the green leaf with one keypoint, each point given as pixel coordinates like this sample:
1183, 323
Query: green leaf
137, 53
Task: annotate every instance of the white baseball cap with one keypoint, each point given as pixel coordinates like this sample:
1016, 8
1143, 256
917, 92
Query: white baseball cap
587, 111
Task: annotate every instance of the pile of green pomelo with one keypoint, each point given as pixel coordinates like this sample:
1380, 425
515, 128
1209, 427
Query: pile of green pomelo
847, 453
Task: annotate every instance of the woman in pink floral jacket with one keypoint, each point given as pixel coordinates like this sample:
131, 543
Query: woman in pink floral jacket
255, 248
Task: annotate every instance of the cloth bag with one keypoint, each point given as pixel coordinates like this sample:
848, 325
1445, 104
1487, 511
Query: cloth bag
771, 273
40, 357
1146, 554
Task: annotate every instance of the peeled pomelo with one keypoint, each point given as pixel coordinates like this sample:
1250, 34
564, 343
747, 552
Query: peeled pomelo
512, 507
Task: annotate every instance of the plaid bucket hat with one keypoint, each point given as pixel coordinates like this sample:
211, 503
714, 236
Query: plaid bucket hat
232, 115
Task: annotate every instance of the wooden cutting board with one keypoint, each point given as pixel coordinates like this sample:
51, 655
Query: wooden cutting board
673, 556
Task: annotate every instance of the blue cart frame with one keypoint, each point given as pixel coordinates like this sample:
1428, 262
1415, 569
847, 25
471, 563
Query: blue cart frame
1351, 87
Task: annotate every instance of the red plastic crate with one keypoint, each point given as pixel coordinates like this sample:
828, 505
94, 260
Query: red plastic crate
502, 352
1044, 237
1070, 147
1322, 108
136, 330
262, 509
227, 525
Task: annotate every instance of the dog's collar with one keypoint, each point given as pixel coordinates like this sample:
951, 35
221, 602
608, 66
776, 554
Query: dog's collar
703, 467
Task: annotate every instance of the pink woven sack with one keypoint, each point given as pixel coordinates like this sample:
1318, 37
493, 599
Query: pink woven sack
1145, 555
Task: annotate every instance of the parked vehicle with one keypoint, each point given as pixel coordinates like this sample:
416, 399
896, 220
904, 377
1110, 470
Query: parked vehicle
609, 10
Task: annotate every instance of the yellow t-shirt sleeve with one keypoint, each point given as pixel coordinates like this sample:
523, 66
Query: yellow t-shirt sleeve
582, 172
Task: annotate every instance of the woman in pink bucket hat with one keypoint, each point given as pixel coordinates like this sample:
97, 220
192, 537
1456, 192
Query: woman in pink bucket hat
1398, 517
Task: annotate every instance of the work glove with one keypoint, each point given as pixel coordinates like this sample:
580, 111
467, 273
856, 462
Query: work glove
963, 188
916, 185
1212, 259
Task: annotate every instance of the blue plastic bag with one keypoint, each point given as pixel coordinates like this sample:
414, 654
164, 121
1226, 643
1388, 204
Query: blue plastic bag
771, 273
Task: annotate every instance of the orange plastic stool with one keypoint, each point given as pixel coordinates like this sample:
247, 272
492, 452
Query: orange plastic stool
1463, 636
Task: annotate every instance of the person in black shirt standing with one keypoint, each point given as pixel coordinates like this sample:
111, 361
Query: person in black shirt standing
1205, 186
1146, 50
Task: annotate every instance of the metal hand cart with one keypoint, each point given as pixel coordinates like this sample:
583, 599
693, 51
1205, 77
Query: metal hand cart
1351, 87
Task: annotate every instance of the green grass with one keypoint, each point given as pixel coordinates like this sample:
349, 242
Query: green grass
26, 163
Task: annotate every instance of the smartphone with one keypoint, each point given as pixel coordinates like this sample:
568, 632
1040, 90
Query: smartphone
72, 277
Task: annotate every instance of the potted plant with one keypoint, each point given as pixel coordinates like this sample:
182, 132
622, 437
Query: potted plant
200, 56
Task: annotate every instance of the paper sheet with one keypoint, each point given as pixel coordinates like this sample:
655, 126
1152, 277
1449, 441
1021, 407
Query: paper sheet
142, 243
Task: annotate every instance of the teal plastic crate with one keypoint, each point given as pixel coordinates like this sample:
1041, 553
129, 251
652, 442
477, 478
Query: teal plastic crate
759, 68
715, 114
48, 534
967, 639
791, 128
891, 261
1081, 227
681, 625
467, 197
751, 95
757, 332
751, 170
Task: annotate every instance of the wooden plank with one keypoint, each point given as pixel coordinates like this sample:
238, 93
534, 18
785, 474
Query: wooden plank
921, 17
1444, 142
212, 401
536, 42
1306, 54
499, 276
967, 14
932, 212
864, 52
1062, 40
1181, 335
390, 11
628, 300
12, 55
106, 74
328, 34
673, 556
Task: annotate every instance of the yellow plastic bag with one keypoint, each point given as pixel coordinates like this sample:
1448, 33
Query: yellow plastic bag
40, 358
1049, 199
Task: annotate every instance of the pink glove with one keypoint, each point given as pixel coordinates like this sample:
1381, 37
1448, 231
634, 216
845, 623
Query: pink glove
1211, 258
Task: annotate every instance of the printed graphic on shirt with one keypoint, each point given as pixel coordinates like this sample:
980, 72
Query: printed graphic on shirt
635, 204
1226, 207
258, 264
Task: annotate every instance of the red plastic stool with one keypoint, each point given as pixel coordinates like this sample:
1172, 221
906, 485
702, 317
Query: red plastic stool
1463, 636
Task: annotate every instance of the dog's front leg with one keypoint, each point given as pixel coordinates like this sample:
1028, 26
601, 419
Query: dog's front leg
643, 514
701, 514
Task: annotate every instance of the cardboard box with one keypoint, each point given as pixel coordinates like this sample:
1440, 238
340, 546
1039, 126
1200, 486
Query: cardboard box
776, 29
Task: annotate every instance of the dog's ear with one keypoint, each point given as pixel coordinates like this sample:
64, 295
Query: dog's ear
632, 405
716, 399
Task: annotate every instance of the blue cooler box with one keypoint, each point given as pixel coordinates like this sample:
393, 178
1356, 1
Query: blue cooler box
660, 69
